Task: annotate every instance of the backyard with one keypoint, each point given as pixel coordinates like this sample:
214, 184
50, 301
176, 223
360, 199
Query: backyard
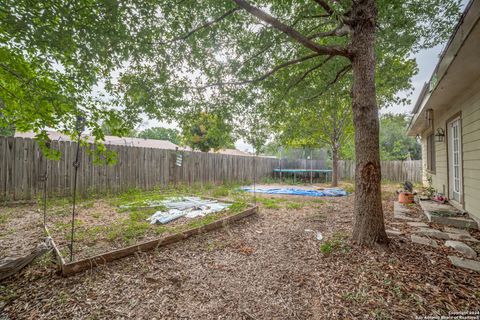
271, 265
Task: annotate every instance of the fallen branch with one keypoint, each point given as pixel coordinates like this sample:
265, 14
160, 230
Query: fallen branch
11, 265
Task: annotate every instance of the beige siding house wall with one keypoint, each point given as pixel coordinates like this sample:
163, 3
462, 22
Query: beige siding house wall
454, 93
467, 107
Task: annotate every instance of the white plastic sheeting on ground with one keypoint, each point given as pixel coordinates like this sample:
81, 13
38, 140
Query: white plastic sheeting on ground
189, 207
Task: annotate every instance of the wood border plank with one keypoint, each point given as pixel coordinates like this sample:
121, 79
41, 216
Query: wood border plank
71, 268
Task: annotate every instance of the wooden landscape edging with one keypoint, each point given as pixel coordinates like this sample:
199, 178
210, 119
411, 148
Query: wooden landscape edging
70, 268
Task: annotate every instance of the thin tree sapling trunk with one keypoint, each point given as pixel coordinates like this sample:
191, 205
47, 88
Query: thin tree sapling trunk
335, 166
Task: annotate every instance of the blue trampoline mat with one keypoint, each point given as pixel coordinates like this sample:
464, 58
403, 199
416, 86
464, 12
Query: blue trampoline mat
330, 192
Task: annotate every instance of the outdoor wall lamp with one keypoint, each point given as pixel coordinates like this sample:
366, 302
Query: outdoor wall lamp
440, 135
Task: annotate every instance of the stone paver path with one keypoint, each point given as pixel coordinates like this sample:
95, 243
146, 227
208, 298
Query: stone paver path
423, 234
465, 263
461, 247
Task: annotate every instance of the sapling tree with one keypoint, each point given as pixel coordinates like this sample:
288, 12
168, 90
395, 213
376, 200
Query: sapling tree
324, 123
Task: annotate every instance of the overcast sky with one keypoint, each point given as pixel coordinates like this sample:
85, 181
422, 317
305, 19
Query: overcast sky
426, 61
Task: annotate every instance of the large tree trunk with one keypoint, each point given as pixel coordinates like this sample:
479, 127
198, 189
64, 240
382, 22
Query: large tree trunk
369, 228
334, 166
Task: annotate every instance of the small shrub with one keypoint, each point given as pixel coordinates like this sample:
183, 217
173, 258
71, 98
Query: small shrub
350, 188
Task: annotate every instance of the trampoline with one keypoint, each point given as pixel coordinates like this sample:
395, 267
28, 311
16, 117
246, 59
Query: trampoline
306, 173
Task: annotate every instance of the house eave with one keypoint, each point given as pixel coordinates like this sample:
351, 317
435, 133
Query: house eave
468, 21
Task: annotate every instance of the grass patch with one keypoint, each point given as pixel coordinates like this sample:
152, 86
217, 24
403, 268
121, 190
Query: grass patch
237, 206
221, 191
130, 210
337, 243
270, 203
96, 215
6, 294
203, 221
355, 296
127, 231
381, 314
3, 218
294, 205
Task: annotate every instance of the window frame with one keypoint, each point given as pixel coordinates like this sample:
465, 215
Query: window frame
431, 153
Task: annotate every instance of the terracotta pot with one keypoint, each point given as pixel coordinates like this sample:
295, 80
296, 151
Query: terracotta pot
405, 197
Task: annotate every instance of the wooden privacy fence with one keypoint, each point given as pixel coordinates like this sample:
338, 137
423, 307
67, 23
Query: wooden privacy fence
22, 166
300, 164
395, 170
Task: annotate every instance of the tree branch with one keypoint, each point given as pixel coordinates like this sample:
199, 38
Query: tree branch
8, 91
340, 31
201, 27
307, 73
264, 76
325, 6
294, 34
316, 16
338, 76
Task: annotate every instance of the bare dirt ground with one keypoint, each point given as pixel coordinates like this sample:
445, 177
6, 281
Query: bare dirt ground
101, 227
101, 224
269, 266
20, 229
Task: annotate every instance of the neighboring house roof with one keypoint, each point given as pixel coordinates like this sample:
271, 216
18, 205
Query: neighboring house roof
110, 140
457, 68
132, 142
234, 152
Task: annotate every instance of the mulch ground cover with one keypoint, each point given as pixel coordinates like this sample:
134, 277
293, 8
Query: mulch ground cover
268, 266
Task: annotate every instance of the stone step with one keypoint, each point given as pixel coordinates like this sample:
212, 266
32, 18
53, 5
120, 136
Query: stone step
424, 241
437, 234
401, 212
455, 230
418, 224
461, 247
450, 216
393, 232
462, 237
433, 233
465, 263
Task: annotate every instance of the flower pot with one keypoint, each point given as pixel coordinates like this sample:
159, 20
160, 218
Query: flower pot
405, 197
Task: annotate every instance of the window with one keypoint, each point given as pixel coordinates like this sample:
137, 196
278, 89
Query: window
431, 152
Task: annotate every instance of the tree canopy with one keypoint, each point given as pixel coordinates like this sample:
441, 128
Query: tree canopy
160, 133
394, 143
164, 58
207, 131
